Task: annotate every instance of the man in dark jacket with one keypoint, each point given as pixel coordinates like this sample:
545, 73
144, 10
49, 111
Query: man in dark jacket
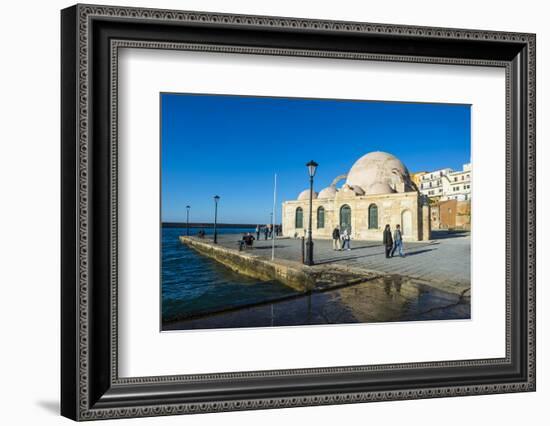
336, 239
388, 241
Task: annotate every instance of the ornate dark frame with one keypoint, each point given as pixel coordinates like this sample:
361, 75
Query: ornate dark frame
91, 37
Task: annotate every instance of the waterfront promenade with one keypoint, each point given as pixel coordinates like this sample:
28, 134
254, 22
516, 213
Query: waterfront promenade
360, 285
444, 261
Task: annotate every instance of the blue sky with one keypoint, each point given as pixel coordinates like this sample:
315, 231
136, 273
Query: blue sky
232, 146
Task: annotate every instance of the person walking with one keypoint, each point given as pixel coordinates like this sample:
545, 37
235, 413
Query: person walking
346, 240
257, 232
266, 232
397, 242
387, 241
336, 239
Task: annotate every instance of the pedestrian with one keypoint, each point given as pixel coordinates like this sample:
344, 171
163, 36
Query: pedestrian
397, 242
257, 232
346, 237
266, 232
387, 240
336, 239
270, 231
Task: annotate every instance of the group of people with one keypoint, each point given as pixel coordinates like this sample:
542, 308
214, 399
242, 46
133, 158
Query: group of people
268, 231
341, 241
246, 241
392, 241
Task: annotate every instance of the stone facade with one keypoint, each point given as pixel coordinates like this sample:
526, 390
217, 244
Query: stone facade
378, 191
404, 209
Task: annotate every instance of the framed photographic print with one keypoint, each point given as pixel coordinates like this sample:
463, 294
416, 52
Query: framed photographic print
263, 212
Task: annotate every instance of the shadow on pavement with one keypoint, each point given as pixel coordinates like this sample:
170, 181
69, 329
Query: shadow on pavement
412, 253
440, 235
268, 247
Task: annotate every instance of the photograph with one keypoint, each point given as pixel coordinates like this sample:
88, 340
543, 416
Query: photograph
266, 208
282, 211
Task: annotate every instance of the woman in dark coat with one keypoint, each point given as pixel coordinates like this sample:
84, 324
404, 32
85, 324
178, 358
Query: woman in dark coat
387, 240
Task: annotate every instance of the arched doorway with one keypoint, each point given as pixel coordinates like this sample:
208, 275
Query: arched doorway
406, 223
345, 218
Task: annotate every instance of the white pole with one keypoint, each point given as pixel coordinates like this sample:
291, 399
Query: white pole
273, 219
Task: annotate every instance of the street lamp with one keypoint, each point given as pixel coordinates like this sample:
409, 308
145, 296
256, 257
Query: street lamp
216, 199
311, 168
187, 207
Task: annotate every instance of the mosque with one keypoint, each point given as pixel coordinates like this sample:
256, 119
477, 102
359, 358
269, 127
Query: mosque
377, 191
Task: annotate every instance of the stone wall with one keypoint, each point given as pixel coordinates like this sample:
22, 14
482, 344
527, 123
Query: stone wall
463, 214
399, 208
452, 214
447, 214
289, 273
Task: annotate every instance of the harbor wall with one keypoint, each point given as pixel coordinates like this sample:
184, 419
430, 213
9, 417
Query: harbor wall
291, 274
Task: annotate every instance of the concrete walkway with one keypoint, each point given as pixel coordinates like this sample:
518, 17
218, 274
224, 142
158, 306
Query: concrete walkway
444, 261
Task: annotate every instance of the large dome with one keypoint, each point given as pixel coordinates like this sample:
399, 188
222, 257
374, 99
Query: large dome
377, 173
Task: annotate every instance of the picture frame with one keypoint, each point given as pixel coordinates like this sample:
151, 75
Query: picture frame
90, 385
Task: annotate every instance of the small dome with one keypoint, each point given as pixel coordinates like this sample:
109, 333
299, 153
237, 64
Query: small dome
304, 195
379, 171
329, 192
380, 188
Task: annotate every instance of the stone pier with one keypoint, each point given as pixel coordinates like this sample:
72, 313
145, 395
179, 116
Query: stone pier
290, 273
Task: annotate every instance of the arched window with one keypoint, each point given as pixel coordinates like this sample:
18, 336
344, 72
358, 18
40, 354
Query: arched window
299, 218
373, 216
321, 217
345, 218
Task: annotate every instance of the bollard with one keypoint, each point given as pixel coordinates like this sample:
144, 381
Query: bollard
303, 250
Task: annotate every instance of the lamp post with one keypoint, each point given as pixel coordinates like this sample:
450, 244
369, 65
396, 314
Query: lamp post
187, 207
216, 199
311, 168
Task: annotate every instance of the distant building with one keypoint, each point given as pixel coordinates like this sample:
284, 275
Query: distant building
378, 191
416, 178
458, 185
446, 184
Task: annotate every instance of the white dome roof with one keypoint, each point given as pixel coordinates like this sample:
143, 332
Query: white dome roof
329, 192
376, 173
380, 188
304, 195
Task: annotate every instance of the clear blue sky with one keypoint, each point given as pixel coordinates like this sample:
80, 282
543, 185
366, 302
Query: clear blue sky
231, 146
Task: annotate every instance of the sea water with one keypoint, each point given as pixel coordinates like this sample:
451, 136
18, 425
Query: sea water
192, 284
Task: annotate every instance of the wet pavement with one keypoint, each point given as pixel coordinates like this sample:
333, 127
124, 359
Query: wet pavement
385, 299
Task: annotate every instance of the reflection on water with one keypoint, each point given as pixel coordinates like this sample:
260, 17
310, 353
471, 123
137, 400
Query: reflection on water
386, 299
